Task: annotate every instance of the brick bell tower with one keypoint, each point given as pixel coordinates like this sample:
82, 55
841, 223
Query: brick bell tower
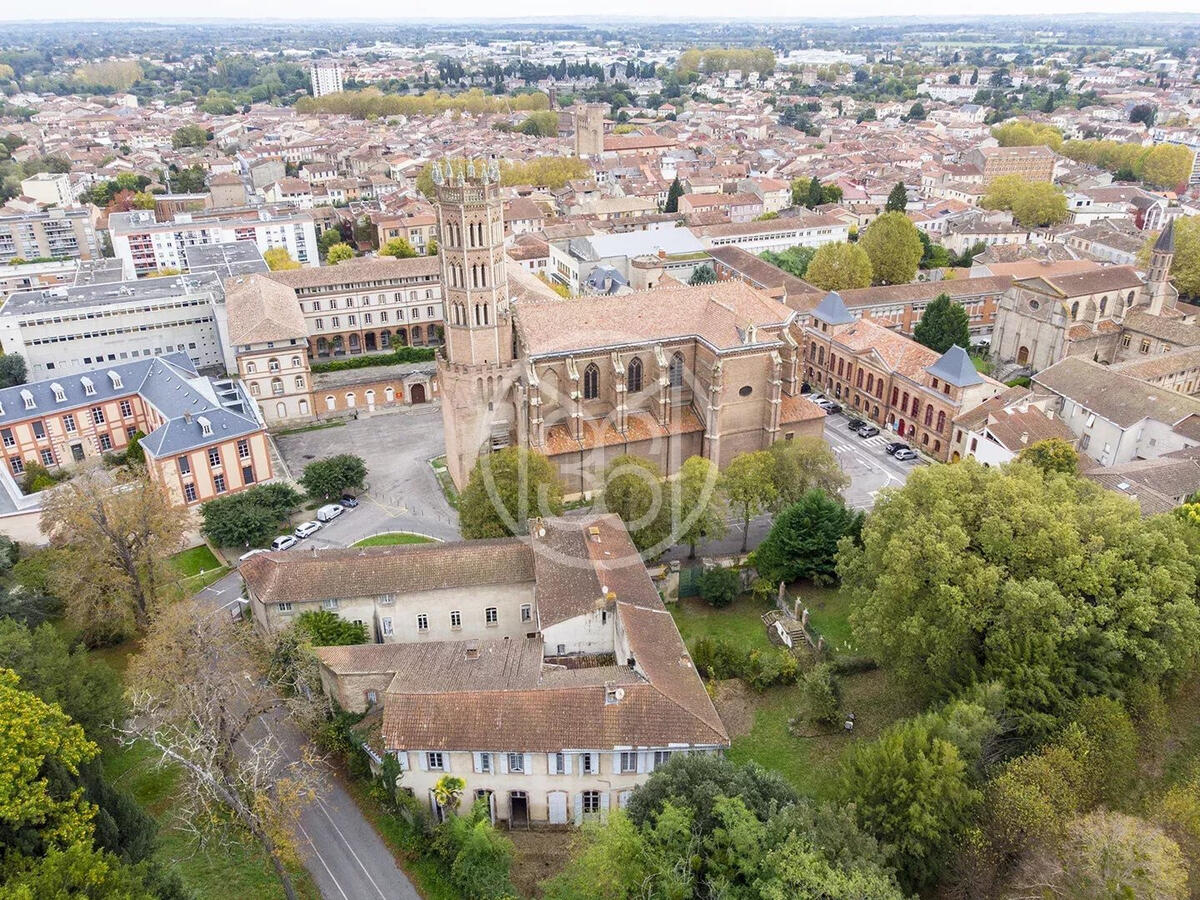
475, 370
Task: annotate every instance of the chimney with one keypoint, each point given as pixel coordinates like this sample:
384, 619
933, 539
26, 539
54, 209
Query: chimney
187, 416
594, 534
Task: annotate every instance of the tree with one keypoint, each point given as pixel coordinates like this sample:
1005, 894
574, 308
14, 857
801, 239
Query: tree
79, 870
12, 370
749, 484
118, 543
718, 586
635, 491
1034, 204
1144, 113
1185, 266
191, 180
910, 791
793, 260
1000, 567
338, 253
329, 238
816, 196
192, 702
673, 195
897, 199
916, 112
325, 478
279, 260
703, 275
839, 266
135, 453
189, 136
803, 540
325, 628
250, 517
701, 507
943, 325
893, 245
1051, 455
505, 490
822, 695
481, 867
804, 464
399, 248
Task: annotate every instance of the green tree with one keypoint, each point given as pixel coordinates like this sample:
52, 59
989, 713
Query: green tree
481, 868
76, 871
250, 517
748, 482
673, 195
821, 695
338, 253
718, 586
1185, 266
701, 506
505, 490
1000, 568
330, 237
189, 136
134, 452
816, 195
1051, 455
703, 275
897, 199
803, 464
803, 540
793, 260
12, 370
910, 790
326, 478
943, 325
325, 628
1034, 204
933, 256
839, 266
399, 248
191, 180
543, 123
893, 245
279, 260
634, 490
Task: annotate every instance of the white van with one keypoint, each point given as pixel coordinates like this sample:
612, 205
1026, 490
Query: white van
329, 512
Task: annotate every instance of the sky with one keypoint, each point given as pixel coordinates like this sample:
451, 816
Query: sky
483, 10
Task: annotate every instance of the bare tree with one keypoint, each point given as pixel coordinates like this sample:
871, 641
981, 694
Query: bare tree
119, 537
199, 701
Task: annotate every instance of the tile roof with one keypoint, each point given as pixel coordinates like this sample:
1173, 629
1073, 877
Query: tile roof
899, 353
357, 271
1111, 278
1113, 395
262, 309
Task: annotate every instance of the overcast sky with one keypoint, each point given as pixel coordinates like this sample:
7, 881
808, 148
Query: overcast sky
482, 11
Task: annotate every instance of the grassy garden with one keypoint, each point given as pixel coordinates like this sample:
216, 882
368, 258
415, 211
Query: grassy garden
393, 538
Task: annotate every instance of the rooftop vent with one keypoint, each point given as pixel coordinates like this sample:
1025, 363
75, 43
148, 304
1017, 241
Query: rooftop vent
472, 650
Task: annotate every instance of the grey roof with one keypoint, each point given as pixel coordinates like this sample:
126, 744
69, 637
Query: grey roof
606, 280
1166, 240
955, 367
227, 259
145, 290
832, 310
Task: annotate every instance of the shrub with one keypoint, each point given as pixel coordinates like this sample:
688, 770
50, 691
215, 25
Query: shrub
397, 356
718, 586
822, 695
720, 659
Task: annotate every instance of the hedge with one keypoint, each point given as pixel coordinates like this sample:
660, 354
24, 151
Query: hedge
399, 355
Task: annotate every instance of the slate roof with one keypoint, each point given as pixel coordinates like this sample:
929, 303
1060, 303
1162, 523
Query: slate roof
832, 311
955, 366
1166, 240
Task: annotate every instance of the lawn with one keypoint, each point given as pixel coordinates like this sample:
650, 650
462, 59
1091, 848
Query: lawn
740, 622
828, 614
391, 538
234, 870
194, 561
445, 481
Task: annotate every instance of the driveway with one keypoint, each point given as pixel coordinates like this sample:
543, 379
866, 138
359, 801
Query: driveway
863, 459
402, 492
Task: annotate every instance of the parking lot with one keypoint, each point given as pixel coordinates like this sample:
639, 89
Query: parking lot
864, 460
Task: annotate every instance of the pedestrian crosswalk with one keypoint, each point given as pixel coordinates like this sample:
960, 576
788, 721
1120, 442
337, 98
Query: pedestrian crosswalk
852, 444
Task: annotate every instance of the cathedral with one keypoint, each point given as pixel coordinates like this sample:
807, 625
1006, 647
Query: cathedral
665, 374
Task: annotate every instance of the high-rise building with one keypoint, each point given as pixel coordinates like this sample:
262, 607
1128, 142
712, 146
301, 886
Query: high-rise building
53, 234
326, 77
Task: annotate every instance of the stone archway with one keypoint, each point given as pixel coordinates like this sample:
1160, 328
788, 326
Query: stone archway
416, 393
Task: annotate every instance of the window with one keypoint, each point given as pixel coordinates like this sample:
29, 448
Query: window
587, 763
247, 474
455, 618
97, 415
747, 390
633, 376
105, 442
559, 764
185, 466
591, 802
47, 457
591, 382
661, 757
9, 440
330, 603
219, 484
526, 612
189, 492
1145, 348
675, 370
491, 615
126, 409
628, 761
386, 622
422, 622
69, 422
516, 762
485, 763
17, 465
434, 761
284, 606
39, 430
1084, 441
214, 457
243, 449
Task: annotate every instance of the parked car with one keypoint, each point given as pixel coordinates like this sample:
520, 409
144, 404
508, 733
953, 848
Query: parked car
245, 556
890, 449
905, 454
349, 501
832, 408
284, 542
329, 512
855, 424
306, 529
867, 430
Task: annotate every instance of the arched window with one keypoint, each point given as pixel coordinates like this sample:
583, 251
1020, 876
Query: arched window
350, 400
389, 394
330, 403
273, 364
858, 379
941, 425
1103, 305
251, 368
295, 362
895, 396
304, 407
633, 375
675, 370
299, 382
1075, 310
276, 386
486, 319
281, 410
591, 382
870, 384
928, 415
254, 389
821, 357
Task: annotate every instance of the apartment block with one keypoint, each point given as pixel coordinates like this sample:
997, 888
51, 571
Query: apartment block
52, 234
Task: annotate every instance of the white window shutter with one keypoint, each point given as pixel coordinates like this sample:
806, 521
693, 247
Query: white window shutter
616, 763
578, 807
503, 763
423, 761
567, 763
478, 761
528, 763
642, 762
603, 805
402, 758
445, 760
550, 760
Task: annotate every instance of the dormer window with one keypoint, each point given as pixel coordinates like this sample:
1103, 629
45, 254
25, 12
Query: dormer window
205, 426
115, 379
88, 387
28, 398
59, 394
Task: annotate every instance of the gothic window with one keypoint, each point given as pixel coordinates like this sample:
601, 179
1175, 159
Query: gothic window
1103, 305
928, 415
941, 422
633, 376
591, 382
1075, 310
675, 371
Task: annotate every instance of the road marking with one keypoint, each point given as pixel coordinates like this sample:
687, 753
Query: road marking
324, 864
325, 810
